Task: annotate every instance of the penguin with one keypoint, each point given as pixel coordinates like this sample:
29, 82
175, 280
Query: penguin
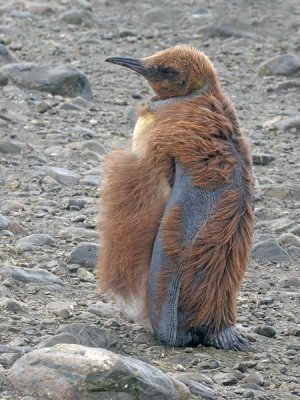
176, 217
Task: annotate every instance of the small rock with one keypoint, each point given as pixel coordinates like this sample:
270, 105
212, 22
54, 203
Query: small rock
104, 310
225, 379
294, 331
60, 338
265, 330
94, 146
59, 308
262, 159
5, 292
30, 243
290, 282
282, 191
43, 106
36, 275
63, 176
72, 371
289, 239
12, 304
290, 84
77, 234
64, 80
12, 205
10, 147
254, 377
285, 64
6, 57
288, 124
269, 250
251, 386
40, 9
225, 30
3, 222
3, 79
85, 276
85, 254
78, 17
91, 180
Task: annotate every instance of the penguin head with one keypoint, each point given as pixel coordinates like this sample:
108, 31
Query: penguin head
177, 71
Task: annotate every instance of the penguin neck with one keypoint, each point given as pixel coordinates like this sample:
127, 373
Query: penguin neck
156, 103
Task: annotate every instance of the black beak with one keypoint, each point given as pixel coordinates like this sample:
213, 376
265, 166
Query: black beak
132, 63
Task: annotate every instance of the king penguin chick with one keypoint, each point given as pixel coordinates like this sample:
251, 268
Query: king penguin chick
176, 215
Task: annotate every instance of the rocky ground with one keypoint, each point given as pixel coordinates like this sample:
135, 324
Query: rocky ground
59, 115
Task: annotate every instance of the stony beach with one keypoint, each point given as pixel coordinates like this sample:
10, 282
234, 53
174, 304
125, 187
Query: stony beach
62, 108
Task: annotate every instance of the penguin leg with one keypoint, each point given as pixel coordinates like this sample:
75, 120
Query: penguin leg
193, 281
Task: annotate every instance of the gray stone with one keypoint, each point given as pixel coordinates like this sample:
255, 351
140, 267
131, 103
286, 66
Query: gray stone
290, 282
85, 276
75, 204
269, 250
64, 80
225, 379
289, 84
289, 124
5, 292
262, 159
289, 239
59, 308
40, 9
104, 310
68, 371
85, 254
63, 176
225, 30
3, 79
265, 330
12, 304
35, 275
30, 243
10, 147
196, 387
254, 377
90, 335
91, 180
60, 338
78, 17
285, 64
4, 223
281, 191
6, 56
251, 386
94, 146
78, 234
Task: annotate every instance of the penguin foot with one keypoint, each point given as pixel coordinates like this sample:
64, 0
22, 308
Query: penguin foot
228, 339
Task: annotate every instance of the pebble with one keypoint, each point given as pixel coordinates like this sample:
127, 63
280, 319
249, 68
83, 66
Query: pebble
3, 79
85, 254
78, 17
31, 242
289, 84
289, 239
6, 56
91, 180
5, 292
288, 124
12, 205
285, 64
254, 377
281, 191
196, 387
252, 386
269, 250
265, 330
11, 147
39, 373
74, 204
40, 9
65, 80
226, 379
290, 282
59, 308
262, 159
4, 223
94, 146
12, 304
78, 234
294, 331
104, 310
60, 338
63, 176
226, 31
85, 276
35, 275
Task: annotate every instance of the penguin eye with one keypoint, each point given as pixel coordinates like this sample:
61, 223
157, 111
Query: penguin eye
167, 72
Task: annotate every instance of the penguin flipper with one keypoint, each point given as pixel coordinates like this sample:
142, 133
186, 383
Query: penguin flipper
186, 212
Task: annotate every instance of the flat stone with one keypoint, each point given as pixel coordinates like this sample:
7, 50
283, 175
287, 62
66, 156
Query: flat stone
6, 56
254, 377
85, 254
5, 292
288, 124
280, 224
78, 17
196, 387
12, 304
265, 330
104, 310
225, 379
289, 84
40, 9
59, 308
33, 275
78, 234
262, 159
85, 276
94, 146
68, 371
63, 176
285, 64
10, 147
225, 30
3, 79
4, 223
65, 80
30, 243
12, 205
290, 282
251, 386
281, 191
60, 338
269, 250
289, 239
91, 180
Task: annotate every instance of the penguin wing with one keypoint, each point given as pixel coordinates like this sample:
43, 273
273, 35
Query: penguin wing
186, 211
